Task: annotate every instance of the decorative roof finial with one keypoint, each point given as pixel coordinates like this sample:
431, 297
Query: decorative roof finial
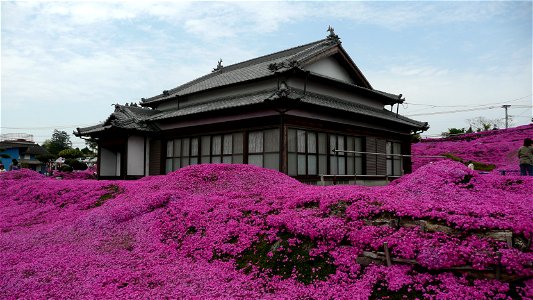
219, 66
332, 36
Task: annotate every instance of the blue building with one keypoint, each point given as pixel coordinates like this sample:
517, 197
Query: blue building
24, 151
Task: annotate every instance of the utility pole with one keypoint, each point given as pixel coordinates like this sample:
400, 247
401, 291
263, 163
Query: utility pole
506, 106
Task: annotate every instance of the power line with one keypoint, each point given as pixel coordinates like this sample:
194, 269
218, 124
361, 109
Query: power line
458, 110
480, 105
47, 127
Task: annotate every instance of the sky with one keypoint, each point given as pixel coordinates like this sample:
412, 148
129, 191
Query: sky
64, 64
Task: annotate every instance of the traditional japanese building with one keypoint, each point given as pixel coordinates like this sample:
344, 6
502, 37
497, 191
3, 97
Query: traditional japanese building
286, 111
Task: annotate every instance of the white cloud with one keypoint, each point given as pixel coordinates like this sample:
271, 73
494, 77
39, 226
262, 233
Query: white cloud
88, 55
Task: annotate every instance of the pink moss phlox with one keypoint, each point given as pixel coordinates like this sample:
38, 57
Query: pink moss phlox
195, 233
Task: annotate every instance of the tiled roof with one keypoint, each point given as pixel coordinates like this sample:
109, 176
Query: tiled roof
31, 147
124, 117
248, 70
217, 104
295, 94
336, 103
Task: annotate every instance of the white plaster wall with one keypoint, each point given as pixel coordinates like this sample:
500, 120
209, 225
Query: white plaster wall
331, 68
108, 163
135, 159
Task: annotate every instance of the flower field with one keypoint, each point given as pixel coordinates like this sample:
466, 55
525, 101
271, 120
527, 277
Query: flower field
242, 232
496, 147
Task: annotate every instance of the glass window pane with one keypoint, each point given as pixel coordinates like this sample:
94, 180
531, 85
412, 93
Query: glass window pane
301, 164
255, 142
184, 161
177, 148
397, 167
194, 147
340, 143
301, 141
293, 164
342, 165
358, 144
349, 143
226, 159
332, 143
350, 165
206, 145
311, 142
237, 143
216, 144
237, 159
170, 148
176, 164
333, 165
193, 161
388, 148
322, 164
389, 167
272, 140
292, 140
255, 159
227, 148
322, 143
272, 161
311, 165
185, 147
168, 165
397, 148
359, 165
205, 160
215, 159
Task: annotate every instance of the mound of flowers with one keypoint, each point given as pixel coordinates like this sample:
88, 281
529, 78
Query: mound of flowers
239, 231
493, 147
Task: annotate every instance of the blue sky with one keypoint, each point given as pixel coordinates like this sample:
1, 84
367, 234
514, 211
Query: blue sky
65, 63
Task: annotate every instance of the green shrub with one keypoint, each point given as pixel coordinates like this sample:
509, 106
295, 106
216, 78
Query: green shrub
75, 164
66, 168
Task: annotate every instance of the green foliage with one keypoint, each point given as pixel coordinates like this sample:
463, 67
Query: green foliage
87, 152
483, 167
416, 138
453, 131
75, 164
478, 166
285, 260
44, 158
60, 141
114, 190
483, 124
71, 153
66, 168
91, 146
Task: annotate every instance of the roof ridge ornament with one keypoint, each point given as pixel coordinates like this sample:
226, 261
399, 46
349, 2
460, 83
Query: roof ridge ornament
332, 36
219, 66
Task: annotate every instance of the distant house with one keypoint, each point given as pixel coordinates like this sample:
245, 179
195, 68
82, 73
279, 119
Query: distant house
286, 111
23, 149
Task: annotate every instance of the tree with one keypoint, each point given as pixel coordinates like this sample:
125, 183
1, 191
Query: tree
92, 146
60, 141
483, 124
71, 153
453, 131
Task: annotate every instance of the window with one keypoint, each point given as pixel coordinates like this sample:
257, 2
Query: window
394, 159
309, 153
263, 148
225, 148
